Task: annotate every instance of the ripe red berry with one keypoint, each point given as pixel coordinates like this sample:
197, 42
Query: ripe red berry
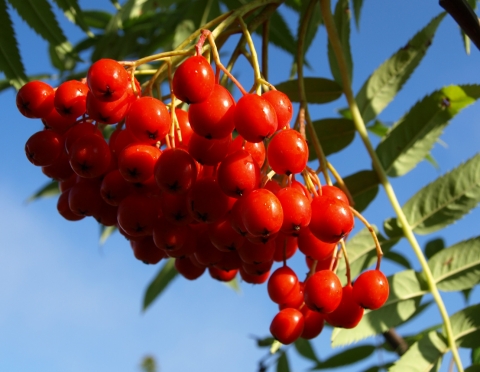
238, 173
331, 220
208, 151
371, 289
335, 192
287, 326
145, 250
314, 323
282, 106
255, 118
313, 247
349, 313
44, 147
188, 269
297, 210
137, 161
175, 171
323, 291
193, 80
262, 213
257, 150
90, 156
282, 284
287, 152
35, 99
148, 120
71, 99
107, 79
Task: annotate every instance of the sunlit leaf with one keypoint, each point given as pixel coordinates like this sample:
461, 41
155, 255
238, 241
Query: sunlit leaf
166, 274
334, 135
10, 61
457, 267
434, 246
342, 23
466, 326
378, 128
406, 291
363, 186
183, 30
413, 136
318, 90
305, 349
282, 363
234, 284
347, 357
445, 200
422, 355
383, 85
46, 191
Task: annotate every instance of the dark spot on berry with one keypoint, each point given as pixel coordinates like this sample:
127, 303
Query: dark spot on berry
174, 187
152, 135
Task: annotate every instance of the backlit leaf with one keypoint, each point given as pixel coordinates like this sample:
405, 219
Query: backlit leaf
413, 136
166, 274
46, 191
234, 284
378, 128
282, 363
446, 199
72, 11
422, 355
342, 23
318, 90
96, 18
466, 326
349, 356
334, 135
363, 186
476, 355
383, 85
406, 291
457, 267
10, 61
106, 232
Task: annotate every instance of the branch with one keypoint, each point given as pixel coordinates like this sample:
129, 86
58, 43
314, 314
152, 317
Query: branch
466, 18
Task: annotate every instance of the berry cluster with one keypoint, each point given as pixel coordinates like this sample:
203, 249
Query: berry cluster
179, 184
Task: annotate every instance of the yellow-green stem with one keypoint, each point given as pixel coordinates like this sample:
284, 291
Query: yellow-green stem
362, 130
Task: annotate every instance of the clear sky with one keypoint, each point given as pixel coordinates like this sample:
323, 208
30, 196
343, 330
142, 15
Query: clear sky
67, 304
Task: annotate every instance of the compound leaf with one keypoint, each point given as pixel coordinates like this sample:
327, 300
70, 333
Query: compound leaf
342, 23
446, 199
363, 187
72, 11
166, 274
466, 326
318, 90
382, 86
457, 267
422, 355
10, 61
412, 137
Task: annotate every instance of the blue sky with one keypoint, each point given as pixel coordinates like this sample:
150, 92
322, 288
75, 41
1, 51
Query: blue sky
68, 304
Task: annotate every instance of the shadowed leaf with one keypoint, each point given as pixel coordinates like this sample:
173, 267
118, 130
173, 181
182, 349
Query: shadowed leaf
282, 363
72, 11
342, 23
305, 349
46, 191
347, 357
334, 135
466, 326
434, 246
363, 186
318, 90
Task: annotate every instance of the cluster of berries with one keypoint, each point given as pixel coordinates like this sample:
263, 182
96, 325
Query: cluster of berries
177, 184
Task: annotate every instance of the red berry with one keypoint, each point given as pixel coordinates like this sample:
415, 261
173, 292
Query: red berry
282, 105
137, 161
255, 118
282, 284
287, 152
175, 171
90, 156
349, 313
70, 99
188, 269
287, 325
44, 147
108, 80
35, 99
313, 247
148, 120
314, 323
297, 210
206, 151
238, 173
207, 202
323, 291
371, 289
145, 250
262, 213
193, 80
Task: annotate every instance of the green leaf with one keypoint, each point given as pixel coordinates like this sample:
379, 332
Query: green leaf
149, 364
446, 199
422, 355
398, 258
318, 90
357, 8
363, 186
96, 18
305, 349
334, 135
105, 232
383, 85
46, 191
434, 246
466, 326
166, 274
10, 61
457, 267
282, 363
264, 342
315, 21
378, 128
475, 368
183, 30
40, 17
412, 138
476, 355
342, 23
362, 252
72, 11
406, 291
349, 356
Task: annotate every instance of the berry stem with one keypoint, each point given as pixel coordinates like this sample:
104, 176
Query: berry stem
347, 263
341, 183
251, 46
362, 130
265, 40
301, 88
